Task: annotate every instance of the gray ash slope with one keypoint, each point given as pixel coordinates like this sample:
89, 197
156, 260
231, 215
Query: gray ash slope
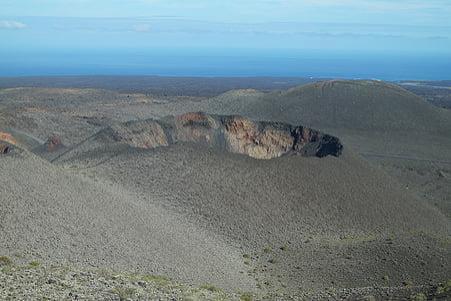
200, 214
357, 105
368, 116
56, 216
333, 207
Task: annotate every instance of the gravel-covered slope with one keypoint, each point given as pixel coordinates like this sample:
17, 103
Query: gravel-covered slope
356, 105
55, 215
293, 225
34, 281
302, 223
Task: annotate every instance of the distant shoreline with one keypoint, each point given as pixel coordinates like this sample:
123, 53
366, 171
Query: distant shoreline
179, 85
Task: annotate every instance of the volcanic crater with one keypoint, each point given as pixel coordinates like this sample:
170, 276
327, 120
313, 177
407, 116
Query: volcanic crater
235, 134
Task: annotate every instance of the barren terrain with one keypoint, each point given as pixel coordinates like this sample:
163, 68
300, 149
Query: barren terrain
328, 190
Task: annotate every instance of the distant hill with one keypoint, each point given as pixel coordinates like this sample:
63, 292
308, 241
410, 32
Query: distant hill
356, 105
370, 117
157, 85
437, 93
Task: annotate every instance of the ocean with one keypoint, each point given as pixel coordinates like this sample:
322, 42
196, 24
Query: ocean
225, 62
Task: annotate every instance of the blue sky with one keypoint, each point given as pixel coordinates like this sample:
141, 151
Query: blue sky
394, 25
352, 27
431, 12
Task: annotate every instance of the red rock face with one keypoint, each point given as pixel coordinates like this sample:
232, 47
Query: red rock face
7, 137
194, 127
243, 136
53, 143
236, 134
195, 118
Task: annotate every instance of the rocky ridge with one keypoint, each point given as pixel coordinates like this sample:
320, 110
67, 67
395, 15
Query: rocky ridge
236, 134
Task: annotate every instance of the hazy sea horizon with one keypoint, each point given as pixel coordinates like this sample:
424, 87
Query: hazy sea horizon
225, 63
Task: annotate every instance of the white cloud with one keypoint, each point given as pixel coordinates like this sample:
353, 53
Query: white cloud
5, 24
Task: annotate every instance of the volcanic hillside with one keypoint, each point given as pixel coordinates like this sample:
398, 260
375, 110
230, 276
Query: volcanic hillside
357, 105
53, 216
296, 203
264, 206
369, 116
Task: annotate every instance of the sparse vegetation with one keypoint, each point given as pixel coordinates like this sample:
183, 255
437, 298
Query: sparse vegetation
80, 284
444, 288
246, 297
5, 260
124, 293
162, 280
246, 232
419, 297
34, 264
407, 283
157, 279
210, 287
357, 238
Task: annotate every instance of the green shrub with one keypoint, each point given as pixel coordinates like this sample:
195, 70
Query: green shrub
5, 260
246, 297
444, 287
407, 283
419, 297
161, 280
210, 287
34, 264
124, 293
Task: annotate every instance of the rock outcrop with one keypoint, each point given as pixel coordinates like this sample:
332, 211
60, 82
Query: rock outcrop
4, 149
6, 142
53, 143
7, 137
236, 134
